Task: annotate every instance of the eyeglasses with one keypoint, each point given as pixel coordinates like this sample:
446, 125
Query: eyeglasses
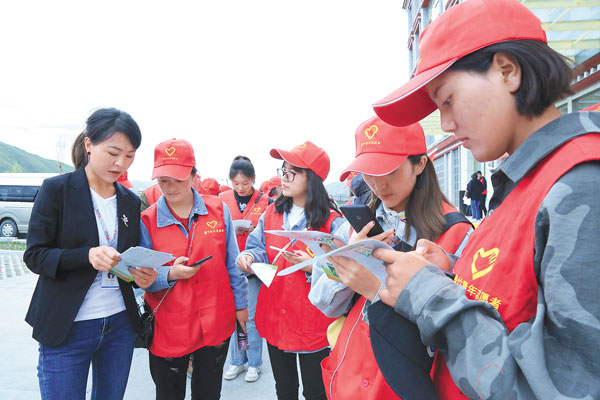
286, 175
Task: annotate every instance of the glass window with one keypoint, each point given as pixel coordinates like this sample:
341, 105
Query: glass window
18, 193
586, 100
440, 171
455, 198
564, 109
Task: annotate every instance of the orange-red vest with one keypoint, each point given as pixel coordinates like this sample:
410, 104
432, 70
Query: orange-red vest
496, 266
351, 371
256, 206
199, 311
152, 194
284, 315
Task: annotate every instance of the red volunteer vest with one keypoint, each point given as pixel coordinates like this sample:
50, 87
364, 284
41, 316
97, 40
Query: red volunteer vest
256, 206
152, 194
496, 266
284, 315
199, 311
351, 371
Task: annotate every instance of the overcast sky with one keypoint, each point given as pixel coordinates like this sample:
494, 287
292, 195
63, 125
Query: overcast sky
231, 77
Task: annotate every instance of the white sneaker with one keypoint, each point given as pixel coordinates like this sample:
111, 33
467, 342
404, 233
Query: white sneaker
252, 374
233, 371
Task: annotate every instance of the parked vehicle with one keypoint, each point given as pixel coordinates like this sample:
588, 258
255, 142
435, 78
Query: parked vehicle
17, 192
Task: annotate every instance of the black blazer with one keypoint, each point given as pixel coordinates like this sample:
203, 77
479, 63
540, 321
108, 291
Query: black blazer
62, 230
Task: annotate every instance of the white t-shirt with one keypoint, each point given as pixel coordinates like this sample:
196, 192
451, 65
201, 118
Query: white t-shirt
295, 215
102, 302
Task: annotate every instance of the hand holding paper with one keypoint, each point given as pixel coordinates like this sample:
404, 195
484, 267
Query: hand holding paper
139, 256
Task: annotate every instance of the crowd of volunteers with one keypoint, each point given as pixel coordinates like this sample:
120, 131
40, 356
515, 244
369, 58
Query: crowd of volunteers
508, 310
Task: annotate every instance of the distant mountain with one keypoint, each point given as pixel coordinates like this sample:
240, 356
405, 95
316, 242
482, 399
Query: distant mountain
13, 159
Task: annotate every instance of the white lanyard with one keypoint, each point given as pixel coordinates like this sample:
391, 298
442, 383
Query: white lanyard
109, 281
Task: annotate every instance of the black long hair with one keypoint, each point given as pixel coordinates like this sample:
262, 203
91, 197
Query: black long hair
101, 126
318, 202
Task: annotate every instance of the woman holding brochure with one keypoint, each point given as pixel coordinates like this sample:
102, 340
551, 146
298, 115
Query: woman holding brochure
80, 222
292, 327
198, 305
245, 204
407, 201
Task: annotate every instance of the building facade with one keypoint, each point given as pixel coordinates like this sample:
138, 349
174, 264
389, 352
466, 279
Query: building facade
572, 28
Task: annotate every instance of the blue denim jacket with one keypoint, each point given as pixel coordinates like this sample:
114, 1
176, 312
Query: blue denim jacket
239, 283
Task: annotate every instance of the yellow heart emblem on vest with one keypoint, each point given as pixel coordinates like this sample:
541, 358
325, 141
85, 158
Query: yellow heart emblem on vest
485, 263
170, 151
212, 224
310, 253
257, 209
371, 131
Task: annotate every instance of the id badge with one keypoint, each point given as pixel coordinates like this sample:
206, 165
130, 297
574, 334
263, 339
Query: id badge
109, 281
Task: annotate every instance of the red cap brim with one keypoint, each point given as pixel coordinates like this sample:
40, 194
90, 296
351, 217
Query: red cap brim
375, 164
288, 157
410, 103
179, 172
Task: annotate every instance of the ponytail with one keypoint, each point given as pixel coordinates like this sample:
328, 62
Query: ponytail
78, 152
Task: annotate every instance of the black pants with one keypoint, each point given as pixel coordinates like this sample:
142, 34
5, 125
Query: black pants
286, 374
170, 374
482, 208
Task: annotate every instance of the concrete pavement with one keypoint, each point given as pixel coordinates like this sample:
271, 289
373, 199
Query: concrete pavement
18, 379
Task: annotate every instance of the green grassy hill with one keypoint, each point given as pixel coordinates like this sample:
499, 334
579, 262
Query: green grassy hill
13, 159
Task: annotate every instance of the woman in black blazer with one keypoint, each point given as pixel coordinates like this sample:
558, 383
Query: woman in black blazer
81, 221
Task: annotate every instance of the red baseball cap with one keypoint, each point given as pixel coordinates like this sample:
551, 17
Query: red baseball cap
173, 158
349, 178
382, 148
211, 186
307, 155
273, 183
123, 180
461, 30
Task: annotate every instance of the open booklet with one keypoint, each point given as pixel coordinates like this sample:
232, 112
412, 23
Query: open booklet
139, 257
361, 251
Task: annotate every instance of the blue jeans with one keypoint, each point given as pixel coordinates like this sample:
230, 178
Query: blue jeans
106, 343
475, 212
253, 356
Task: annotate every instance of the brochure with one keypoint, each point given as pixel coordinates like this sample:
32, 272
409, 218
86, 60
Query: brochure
361, 251
139, 257
313, 239
264, 272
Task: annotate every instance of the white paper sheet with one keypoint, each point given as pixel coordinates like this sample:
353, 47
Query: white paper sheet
241, 223
139, 257
264, 272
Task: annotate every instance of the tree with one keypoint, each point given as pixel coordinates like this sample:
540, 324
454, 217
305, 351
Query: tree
16, 167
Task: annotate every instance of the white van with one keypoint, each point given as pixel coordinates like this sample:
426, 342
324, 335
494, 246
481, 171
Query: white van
17, 193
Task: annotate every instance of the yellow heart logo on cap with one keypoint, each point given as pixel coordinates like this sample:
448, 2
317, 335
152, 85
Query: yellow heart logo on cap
170, 151
371, 131
299, 147
486, 263
212, 224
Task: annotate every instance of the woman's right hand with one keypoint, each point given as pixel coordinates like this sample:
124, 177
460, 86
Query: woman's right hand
181, 271
103, 258
244, 262
385, 237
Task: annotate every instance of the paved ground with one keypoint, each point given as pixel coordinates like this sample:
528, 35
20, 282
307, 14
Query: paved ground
18, 380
